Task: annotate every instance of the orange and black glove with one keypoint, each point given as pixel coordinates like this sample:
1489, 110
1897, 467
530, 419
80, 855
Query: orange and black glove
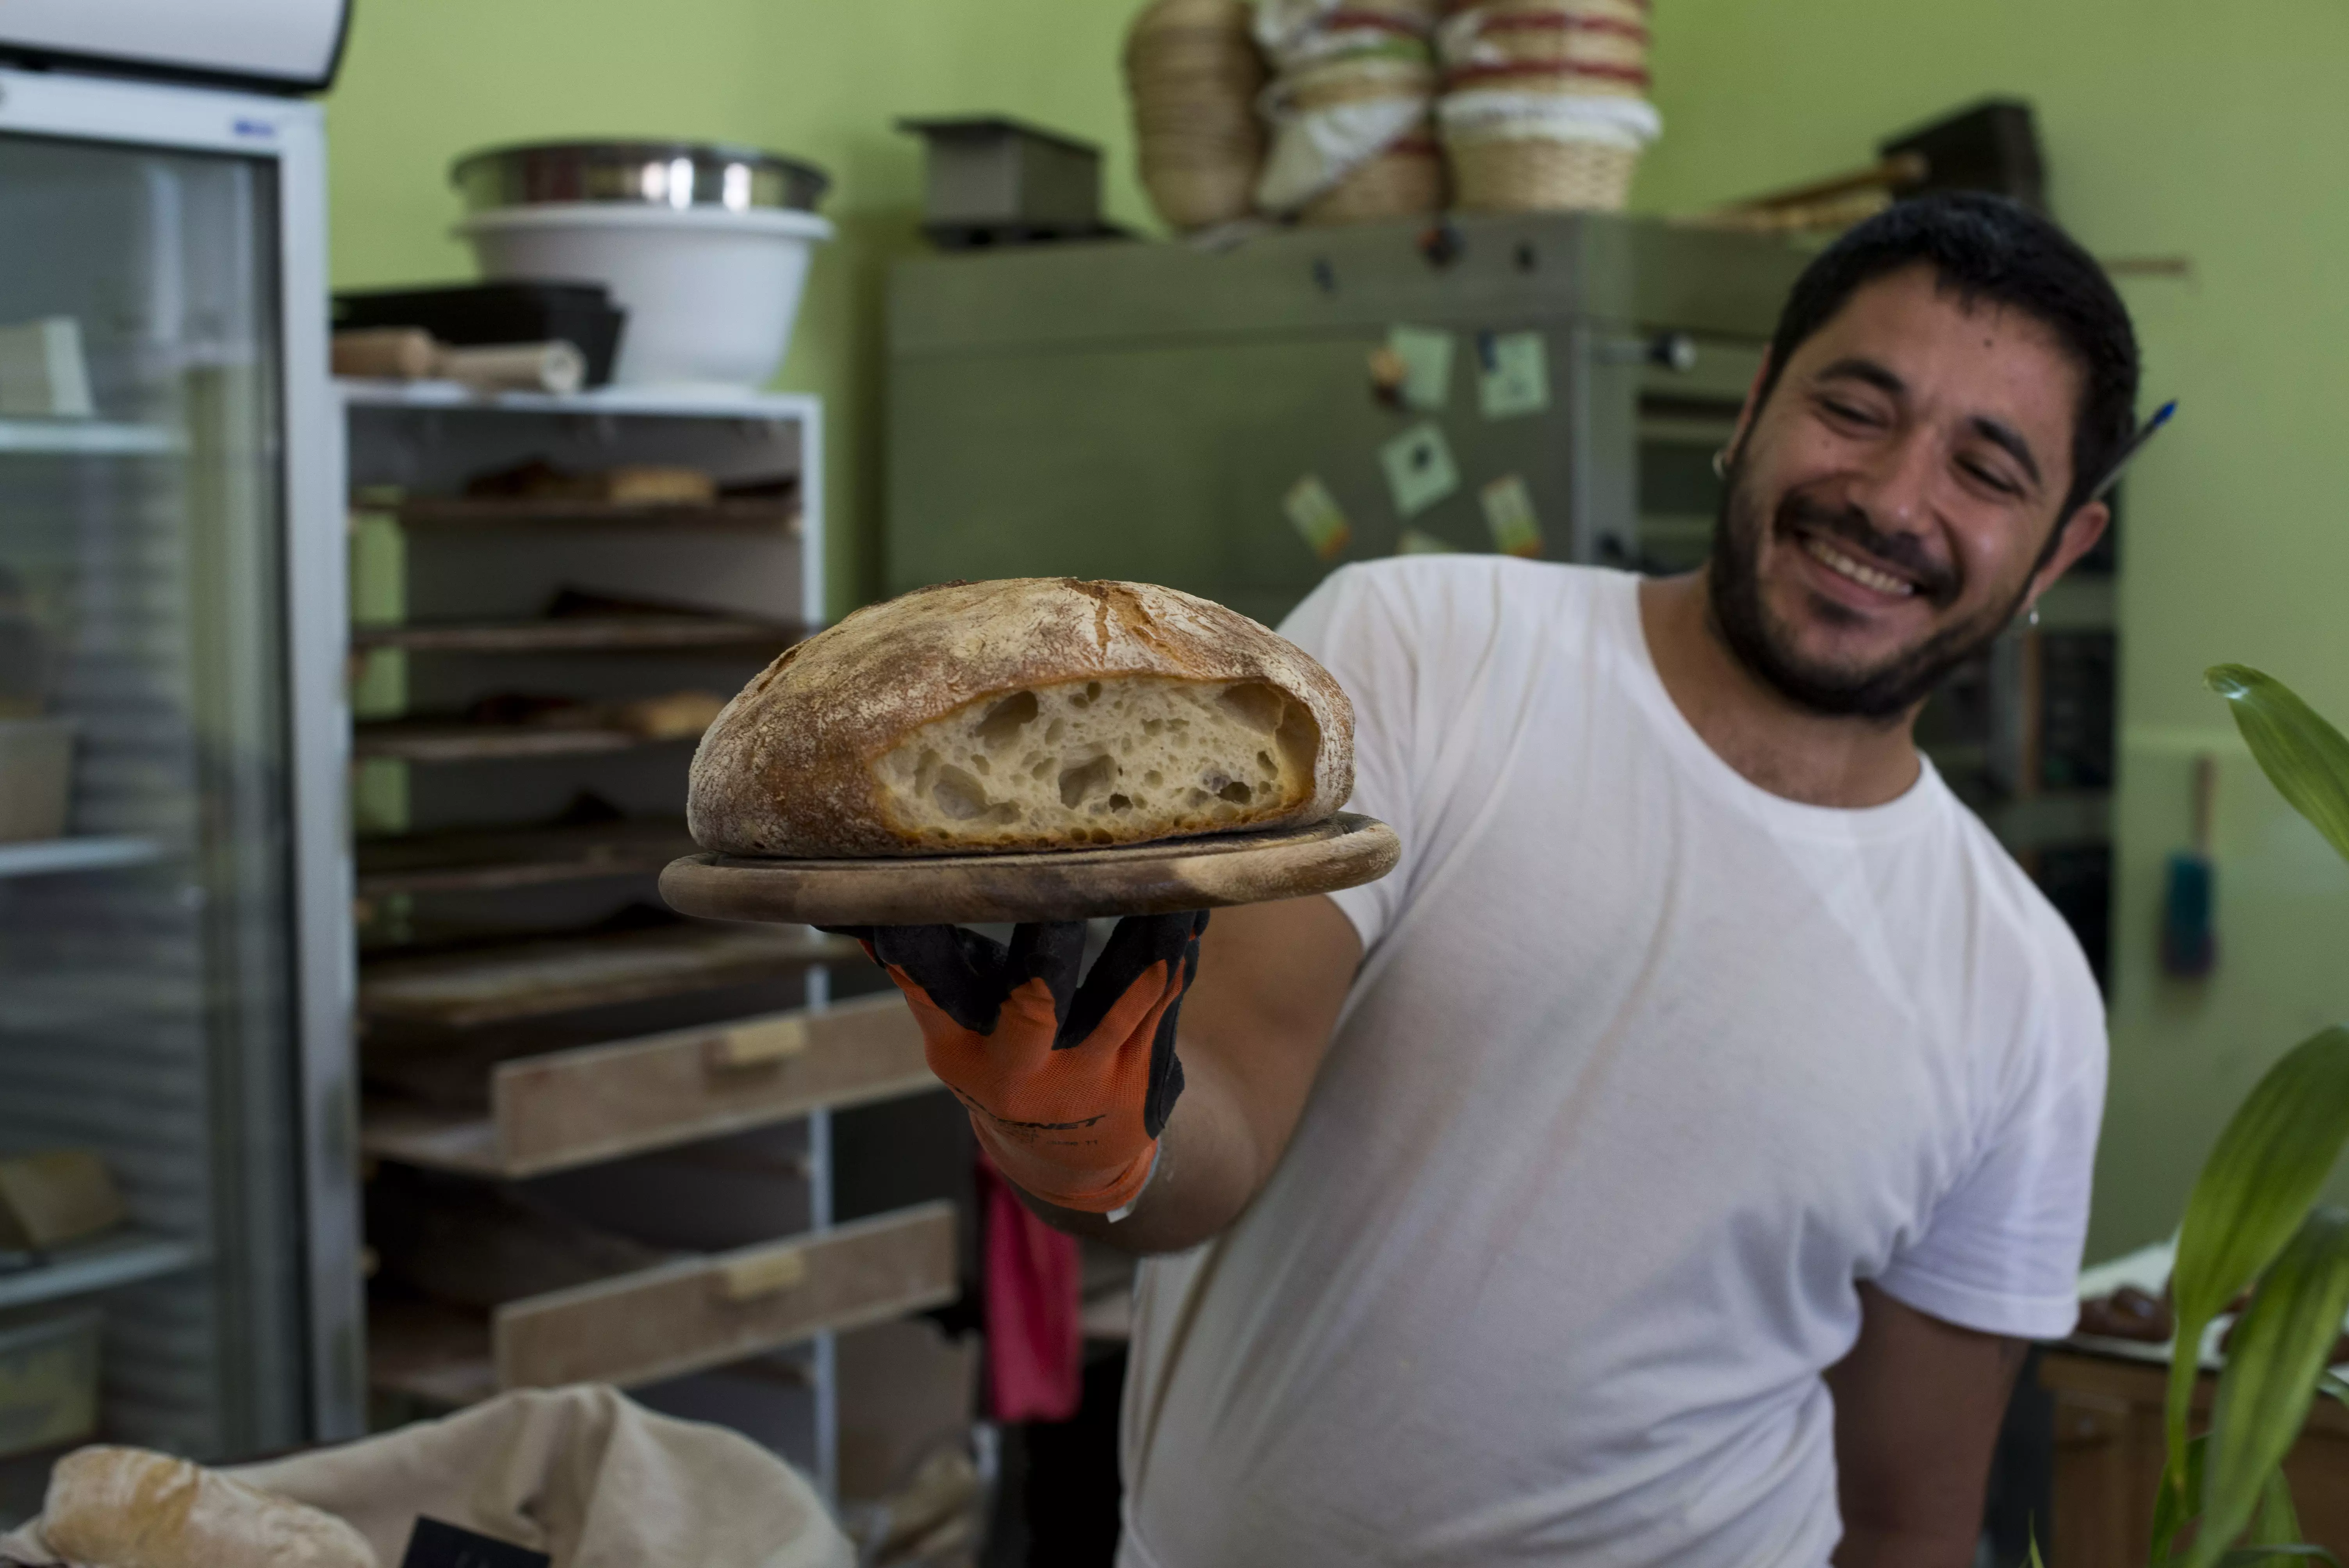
1068, 1085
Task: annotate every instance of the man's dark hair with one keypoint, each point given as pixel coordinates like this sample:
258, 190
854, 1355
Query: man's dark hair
1984, 247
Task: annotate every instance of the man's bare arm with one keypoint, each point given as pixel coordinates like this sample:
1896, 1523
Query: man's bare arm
1918, 1407
1255, 1025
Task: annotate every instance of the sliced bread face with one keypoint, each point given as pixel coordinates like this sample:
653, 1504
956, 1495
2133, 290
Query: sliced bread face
1114, 760
1025, 715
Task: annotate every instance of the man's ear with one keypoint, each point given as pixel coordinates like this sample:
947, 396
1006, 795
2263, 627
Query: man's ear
2086, 526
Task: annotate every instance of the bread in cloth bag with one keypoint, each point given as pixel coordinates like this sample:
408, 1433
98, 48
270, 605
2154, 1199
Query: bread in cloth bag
1035, 713
127, 1508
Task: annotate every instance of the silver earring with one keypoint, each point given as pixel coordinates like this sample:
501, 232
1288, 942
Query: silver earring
1721, 463
2034, 616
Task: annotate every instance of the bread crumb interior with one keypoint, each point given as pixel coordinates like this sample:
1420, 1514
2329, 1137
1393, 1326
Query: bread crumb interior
1114, 760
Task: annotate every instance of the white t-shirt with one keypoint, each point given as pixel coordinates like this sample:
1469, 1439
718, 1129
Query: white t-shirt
1644, 1069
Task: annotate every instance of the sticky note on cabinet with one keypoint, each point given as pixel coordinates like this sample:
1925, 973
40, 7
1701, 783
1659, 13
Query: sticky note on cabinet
1510, 513
1426, 358
1420, 470
1417, 542
1318, 517
1512, 373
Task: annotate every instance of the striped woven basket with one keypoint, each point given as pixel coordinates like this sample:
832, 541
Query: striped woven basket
1570, 45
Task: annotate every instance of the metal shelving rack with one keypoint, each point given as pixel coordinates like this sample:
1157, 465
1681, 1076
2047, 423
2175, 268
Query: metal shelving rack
609, 1045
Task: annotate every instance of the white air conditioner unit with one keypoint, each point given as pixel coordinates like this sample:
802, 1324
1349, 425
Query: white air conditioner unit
280, 46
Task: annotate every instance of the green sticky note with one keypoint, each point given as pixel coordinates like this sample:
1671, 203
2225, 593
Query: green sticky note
1420, 470
1318, 518
1512, 374
1510, 513
1426, 355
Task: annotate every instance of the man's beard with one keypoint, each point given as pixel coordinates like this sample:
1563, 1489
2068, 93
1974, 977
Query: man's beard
1766, 647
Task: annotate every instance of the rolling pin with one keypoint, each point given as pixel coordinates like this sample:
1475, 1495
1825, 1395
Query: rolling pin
411, 354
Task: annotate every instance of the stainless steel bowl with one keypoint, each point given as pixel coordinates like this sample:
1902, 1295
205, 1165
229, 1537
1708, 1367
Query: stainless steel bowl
644, 173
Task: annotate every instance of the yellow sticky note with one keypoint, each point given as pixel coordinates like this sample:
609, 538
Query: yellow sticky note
1318, 518
1510, 513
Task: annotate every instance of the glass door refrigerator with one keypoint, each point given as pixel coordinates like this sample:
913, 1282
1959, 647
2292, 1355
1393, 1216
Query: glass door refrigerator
174, 897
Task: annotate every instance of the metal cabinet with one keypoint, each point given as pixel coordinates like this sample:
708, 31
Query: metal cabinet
1140, 411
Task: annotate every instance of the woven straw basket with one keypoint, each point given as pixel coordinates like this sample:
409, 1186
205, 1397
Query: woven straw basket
1194, 74
1406, 181
1538, 175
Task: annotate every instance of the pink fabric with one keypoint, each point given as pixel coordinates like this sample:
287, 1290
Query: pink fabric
1035, 1341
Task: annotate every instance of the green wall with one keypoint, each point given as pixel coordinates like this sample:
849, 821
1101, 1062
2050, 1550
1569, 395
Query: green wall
425, 80
2171, 128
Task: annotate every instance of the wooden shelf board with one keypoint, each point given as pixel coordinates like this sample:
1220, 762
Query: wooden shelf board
110, 1261
531, 979
581, 633
49, 856
433, 1136
439, 1355
489, 859
425, 740
778, 516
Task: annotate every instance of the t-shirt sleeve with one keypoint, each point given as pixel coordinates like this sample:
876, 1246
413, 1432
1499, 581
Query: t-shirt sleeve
1358, 634
2000, 1251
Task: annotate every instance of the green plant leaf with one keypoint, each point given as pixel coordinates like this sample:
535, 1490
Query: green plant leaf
2279, 1348
2306, 758
2333, 1386
2253, 1556
2180, 1495
2258, 1184
2277, 1522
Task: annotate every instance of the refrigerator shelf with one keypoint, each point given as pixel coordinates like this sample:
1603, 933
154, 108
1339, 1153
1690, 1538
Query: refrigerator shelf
580, 634
491, 859
48, 857
90, 1266
506, 981
90, 437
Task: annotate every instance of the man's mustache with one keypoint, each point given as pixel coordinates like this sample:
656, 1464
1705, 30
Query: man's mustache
1935, 583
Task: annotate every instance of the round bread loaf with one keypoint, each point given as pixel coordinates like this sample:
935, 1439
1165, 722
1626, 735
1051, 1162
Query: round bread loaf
128, 1507
1036, 713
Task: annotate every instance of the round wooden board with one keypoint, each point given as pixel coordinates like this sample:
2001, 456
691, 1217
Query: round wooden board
1159, 878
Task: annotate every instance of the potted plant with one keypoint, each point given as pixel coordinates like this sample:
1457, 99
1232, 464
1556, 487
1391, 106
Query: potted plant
2253, 1224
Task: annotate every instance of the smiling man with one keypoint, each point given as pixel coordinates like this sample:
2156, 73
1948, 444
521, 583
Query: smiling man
1667, 1164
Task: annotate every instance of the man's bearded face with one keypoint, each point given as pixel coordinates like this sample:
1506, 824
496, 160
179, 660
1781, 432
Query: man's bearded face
1891, 505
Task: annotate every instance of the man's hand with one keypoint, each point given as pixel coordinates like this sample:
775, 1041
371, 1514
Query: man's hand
1068, 1085
1271, 979
1918, 1405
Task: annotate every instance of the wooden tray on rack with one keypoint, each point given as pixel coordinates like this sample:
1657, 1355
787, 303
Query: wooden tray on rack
1159, 878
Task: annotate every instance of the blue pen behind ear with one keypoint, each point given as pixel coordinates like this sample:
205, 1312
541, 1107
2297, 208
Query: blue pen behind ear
2129, 453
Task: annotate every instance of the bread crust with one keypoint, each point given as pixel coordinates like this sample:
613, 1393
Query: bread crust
788, 768
128, 1507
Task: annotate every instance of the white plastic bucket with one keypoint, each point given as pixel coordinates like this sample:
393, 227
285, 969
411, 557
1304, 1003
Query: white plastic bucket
711, 294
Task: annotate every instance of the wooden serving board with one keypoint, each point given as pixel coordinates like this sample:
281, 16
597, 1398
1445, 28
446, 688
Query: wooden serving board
1158, 877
